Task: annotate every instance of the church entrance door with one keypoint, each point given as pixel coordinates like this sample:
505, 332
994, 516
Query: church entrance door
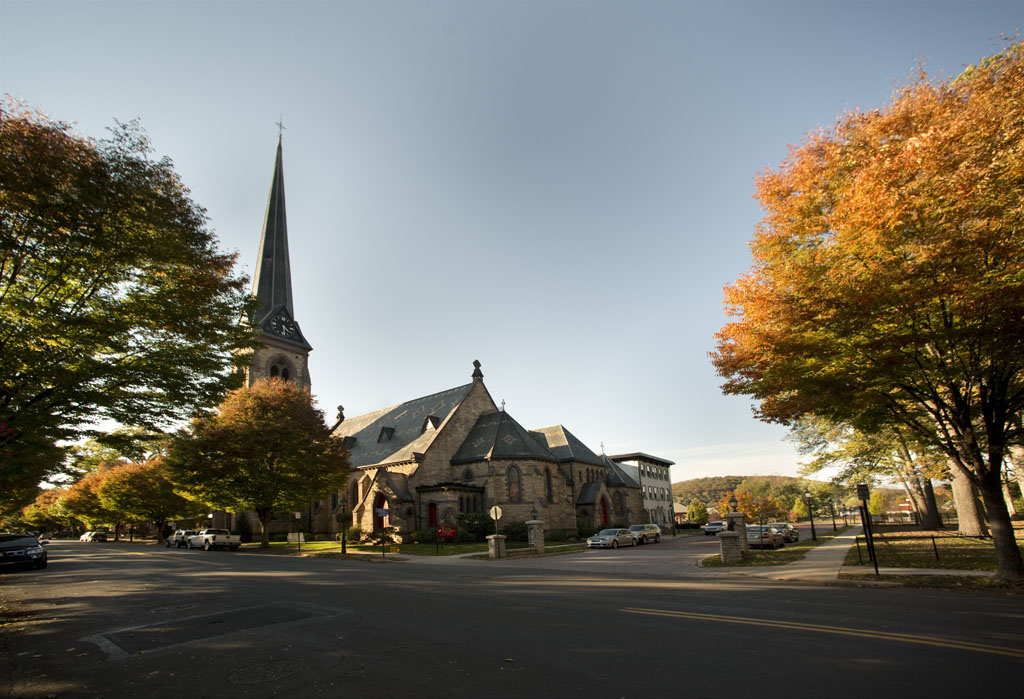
380, 503
604, 511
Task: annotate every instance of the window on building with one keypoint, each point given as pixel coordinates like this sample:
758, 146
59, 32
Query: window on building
547, 485
515, 484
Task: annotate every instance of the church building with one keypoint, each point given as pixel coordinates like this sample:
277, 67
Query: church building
424, 462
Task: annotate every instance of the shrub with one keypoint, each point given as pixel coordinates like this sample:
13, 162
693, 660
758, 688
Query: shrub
474, 526
556, 535
354, 533
515, 530
587, 531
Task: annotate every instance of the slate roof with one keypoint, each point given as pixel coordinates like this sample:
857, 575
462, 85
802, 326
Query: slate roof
565, 445
617, 475
588, 494
497, 436
400, 427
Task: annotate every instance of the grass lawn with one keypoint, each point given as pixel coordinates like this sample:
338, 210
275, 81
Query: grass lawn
779, 557
904, 547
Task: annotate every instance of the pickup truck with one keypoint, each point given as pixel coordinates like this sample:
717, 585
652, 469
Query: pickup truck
213, 539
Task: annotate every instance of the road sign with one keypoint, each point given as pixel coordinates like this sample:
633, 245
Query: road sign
382, 512
495, 513
862, 492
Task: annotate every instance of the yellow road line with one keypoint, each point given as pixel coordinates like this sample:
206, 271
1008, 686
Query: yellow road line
839, 630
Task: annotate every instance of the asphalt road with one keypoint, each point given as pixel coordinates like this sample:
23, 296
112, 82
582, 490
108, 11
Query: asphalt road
120, 620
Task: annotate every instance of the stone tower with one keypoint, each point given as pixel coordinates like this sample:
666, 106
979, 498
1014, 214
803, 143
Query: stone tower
285, 352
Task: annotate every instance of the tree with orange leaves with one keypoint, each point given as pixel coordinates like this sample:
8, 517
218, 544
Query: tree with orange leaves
888, 278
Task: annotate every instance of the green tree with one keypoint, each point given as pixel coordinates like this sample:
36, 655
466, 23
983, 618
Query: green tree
81, 499
143, 492
888, 283
697, 512
266, 447
114, 302
46, 513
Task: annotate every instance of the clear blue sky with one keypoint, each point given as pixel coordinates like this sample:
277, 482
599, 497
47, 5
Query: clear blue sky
558, 189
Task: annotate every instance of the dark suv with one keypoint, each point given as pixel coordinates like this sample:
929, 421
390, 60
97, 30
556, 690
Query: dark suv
646, 533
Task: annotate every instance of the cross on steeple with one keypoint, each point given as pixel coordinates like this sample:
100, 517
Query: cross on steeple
280, 126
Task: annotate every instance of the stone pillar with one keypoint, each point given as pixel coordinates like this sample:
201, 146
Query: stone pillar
731, 551
535, 531
737, 522
496, 546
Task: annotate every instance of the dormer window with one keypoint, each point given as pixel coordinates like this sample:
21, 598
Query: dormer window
386, 433
431, 423
348, 442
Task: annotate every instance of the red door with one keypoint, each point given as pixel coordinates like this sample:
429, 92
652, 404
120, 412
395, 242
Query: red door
604, 510
432, 514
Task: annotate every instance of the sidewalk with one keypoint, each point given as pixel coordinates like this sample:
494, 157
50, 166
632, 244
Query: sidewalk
821, 564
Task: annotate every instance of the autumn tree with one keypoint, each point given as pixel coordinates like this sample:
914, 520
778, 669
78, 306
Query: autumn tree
142, 492
888, 278
115, 303
46, 512
81, 500
697, 512
266, 448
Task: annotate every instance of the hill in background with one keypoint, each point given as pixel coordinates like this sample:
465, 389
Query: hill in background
710, 490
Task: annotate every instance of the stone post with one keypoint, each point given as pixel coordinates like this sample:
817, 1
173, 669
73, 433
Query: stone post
496, 546
737, 522
731, 551
535, 532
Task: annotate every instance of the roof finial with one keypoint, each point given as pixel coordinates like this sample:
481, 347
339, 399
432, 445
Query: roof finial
477, 374
502, 405
280, 127
602, 447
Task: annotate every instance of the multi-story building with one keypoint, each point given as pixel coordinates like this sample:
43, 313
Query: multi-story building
652, 473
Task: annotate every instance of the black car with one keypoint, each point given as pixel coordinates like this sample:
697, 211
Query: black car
22, 548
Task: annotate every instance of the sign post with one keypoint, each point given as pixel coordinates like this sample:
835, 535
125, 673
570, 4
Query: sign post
382, 512
864, 494
495, 513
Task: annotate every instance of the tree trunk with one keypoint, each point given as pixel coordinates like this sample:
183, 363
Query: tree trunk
1011, 565
968, 509
932, 507
1017, 459
264, 514
1011, 509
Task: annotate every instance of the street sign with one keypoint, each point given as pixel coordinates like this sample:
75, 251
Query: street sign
382, 512
862, 492
445, 532
495, 513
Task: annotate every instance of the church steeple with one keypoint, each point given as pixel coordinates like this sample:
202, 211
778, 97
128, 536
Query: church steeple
285, 352
272, 285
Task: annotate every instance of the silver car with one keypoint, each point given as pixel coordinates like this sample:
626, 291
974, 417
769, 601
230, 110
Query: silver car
789, 532
765, 536
646, 533
714, 527
611, 539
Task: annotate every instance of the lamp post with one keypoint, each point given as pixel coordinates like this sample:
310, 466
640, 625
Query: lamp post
533, 513
298, 533
810, 512
344, 525
832, 506
733, 502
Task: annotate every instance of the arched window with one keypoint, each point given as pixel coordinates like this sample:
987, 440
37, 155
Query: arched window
432, 514
275, 371
547, 485
515, 484
285, 375
467, 475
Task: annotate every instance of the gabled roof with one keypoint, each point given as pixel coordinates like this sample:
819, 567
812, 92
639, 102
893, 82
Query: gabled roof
565, 445
618, 475
497, 436
588, 494
405, 435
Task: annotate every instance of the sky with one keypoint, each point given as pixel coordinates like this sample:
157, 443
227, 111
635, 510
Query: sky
560, 190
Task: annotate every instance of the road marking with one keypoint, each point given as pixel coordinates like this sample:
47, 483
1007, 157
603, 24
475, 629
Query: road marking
819, 628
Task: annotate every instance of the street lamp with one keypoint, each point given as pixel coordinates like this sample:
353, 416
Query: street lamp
533, 513
733, 502
832, 506
344, 525
810, 512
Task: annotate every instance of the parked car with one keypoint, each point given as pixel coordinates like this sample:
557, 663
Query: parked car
764, 536
646, 533
179, 538
22, 549
214, 539
789, 532
93, 536
612, 539
714, 527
